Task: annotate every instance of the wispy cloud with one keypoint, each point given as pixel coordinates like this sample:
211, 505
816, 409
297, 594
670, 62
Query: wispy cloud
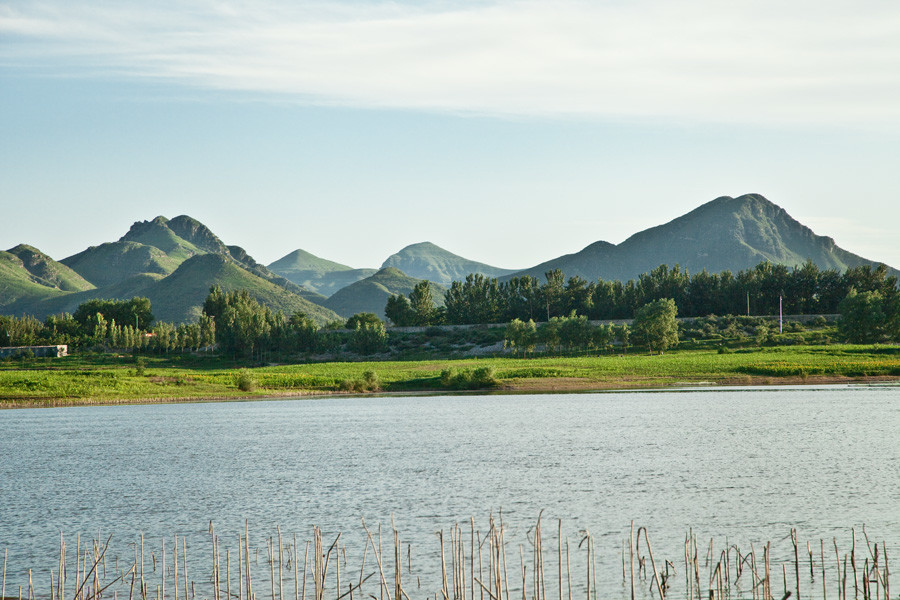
749, 61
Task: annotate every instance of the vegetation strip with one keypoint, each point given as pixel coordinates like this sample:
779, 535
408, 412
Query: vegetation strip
712, 570
120, 378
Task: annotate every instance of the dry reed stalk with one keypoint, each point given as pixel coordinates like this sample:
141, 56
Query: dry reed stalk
305, 569
296, 579
175, 551
837, 558
362, 567
247, 579
444, 589
133, 577
5, 554
559, 559
796, 560
503, 548
228, 573
755, 579
822, 553
480, 567
768, 561
524, 577
163, 583
216, 573
688, 588
143, 583
280, 564
659, 587
853, 565
52, 591
472, 558
696, 568
240, 567
812, 575
337, 566
631, 555
377, 554
184, 564
887, 573
271, 566
844, 582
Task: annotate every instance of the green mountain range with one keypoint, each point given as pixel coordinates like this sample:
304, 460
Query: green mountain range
317, 274
173, 263
724, 234
428, 261
371, 294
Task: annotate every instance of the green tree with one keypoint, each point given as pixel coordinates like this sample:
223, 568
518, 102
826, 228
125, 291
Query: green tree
368, 337
655, 325
399, 311
422, 303
520, 335
362, 318
863, 317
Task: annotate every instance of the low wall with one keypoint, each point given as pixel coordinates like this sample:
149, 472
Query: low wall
51, 351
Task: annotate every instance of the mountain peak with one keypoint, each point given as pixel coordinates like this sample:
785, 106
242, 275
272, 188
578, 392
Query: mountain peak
195, 232
425, 260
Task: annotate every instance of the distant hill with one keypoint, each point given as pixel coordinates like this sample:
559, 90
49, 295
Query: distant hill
18, 284
317, 274
172, 262
724, 234
179, 296
48, 272
371, 294
428, 261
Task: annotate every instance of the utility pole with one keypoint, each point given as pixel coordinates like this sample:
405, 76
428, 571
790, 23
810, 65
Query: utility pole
780, 317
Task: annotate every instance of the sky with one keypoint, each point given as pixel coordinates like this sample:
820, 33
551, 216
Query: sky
509, 132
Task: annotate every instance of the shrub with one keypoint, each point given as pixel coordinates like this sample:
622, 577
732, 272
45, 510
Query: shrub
244, 381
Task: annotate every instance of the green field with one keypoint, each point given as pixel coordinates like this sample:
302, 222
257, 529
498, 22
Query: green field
90, 379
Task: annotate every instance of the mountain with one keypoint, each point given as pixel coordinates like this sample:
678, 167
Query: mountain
723, 234
172, 262
428, 261
317, 274
47, 271
18, 284
371, 294
179, 296
112, 262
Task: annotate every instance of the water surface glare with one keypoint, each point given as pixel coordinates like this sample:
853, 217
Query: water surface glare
747, 464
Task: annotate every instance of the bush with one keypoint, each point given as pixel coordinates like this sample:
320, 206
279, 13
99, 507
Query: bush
244, 381
477, 379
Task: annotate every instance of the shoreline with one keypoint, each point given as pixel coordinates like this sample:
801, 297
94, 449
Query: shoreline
548, 386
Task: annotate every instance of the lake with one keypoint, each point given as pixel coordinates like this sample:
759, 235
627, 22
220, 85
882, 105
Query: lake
742, 464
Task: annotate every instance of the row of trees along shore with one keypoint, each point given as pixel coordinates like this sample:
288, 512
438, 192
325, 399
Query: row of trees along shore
802, 290
240, 325
121, 324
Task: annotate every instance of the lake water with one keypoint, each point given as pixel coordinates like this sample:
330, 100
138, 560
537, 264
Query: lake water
746, 464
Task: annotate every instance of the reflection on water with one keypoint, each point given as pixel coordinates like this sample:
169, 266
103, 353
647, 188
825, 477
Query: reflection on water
743, 464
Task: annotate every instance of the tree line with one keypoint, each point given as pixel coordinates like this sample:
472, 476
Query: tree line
127, 325
805, 289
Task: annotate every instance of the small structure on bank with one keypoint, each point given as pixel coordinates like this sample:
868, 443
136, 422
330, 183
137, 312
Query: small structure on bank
51, 351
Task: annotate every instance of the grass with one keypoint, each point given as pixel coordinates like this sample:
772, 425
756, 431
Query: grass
112, 379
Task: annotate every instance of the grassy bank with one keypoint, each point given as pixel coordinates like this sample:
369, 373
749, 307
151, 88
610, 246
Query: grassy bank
113, 379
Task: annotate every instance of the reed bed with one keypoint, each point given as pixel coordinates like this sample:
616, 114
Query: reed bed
474, 564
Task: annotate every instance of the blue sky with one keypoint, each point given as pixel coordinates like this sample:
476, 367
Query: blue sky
509, 132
